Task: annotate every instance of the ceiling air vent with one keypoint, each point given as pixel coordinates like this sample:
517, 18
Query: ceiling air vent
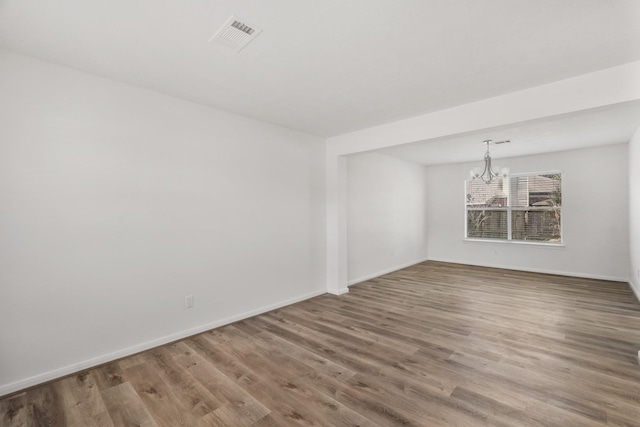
236, 33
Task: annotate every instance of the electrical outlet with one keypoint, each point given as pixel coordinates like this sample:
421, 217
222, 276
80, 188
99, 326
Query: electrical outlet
188, 301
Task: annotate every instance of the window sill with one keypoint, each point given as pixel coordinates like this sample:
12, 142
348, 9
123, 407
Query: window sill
518, 242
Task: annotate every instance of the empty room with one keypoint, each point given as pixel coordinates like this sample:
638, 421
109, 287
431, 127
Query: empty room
331, 213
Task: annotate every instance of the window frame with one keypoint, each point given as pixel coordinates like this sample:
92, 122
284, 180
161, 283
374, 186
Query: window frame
509, 209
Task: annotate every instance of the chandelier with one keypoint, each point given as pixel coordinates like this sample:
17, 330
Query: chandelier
488, 174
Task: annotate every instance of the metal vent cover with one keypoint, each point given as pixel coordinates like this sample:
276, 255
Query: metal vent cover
236, 33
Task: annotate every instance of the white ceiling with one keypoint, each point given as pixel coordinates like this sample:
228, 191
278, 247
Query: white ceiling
614, 124
332, 66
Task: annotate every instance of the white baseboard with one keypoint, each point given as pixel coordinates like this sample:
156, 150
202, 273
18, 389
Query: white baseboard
537, 270
90, 363
636, 289
383, 272
338, 292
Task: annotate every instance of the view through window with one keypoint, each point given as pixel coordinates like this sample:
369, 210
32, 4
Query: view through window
522, 207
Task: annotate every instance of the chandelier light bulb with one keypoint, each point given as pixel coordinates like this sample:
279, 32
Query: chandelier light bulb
489, 174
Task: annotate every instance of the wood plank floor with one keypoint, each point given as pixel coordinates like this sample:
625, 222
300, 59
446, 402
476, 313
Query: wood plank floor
435, 344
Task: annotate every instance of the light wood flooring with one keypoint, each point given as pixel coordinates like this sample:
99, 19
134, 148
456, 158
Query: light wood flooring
435, 344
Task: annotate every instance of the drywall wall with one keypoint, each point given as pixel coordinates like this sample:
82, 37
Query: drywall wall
386, 215
116, 202
634, 213
592, 90
595, 216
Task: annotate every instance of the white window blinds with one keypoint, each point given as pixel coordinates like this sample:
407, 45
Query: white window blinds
524, 207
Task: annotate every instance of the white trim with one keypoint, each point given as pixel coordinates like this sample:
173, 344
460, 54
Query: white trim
538, 270
383, 272
517, 242
549, 172
109, 357
635, 289
338, 292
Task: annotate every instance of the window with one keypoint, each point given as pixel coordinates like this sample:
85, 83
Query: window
523, 207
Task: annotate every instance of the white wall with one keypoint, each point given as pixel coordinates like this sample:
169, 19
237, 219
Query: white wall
634, 212
595, 216
386, 215
592, 90
116, 202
